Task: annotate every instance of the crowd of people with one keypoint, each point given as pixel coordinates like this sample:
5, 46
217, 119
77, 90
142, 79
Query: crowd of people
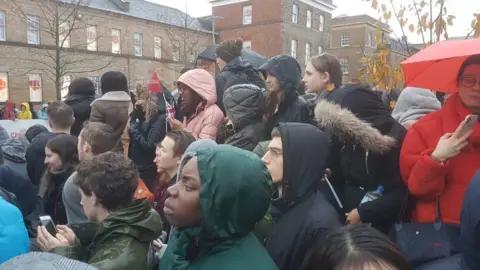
254, 169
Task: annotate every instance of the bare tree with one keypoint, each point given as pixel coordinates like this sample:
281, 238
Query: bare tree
57, 56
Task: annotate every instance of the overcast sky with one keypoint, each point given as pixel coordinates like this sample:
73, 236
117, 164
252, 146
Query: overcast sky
462, 9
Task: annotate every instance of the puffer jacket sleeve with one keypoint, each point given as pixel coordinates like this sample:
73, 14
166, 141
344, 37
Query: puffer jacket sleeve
424, 177
148, 139
210, 125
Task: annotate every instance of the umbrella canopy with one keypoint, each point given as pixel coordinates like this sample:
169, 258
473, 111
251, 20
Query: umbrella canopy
436, 67
255, 59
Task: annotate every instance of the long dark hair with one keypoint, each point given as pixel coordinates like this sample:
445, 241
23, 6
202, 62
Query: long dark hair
355, 247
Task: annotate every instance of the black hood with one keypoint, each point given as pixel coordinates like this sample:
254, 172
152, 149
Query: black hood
244, 104
288, 73
305, 151
470, 225
237, 65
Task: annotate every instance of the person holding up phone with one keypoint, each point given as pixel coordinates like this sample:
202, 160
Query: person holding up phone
441, 152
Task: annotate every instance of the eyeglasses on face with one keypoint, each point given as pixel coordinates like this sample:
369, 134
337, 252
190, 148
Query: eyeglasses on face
469, 81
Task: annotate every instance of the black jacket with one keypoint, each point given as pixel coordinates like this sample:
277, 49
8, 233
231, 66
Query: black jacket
245, 106
21, 187
364, 153
53, 201
144, 137
35, 156
237, 71
81, 111
302, 213
292, 108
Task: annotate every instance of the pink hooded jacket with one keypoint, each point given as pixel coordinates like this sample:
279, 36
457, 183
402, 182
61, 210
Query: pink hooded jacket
204, 123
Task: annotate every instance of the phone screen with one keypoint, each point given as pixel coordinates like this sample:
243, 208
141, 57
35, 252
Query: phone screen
470, 122
47, 222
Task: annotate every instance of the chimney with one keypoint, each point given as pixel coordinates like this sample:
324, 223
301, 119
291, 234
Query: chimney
124, 5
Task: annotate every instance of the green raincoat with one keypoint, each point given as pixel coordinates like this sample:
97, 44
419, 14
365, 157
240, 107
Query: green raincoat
120, 242
235, 194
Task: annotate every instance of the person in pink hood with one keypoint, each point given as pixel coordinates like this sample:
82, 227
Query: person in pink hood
198, 98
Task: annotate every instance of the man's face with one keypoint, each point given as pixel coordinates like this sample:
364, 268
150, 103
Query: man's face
221, 64
182, 207
165, 158
274, 159
83, 148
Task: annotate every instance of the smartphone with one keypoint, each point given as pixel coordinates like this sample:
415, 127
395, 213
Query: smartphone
48, 223
470, 122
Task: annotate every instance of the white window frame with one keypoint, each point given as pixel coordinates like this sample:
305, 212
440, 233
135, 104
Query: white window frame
114, 33
344, 63
308, 52
157, 49
247, 44
309, 19
345, 40
96, 82
3, 25
63, 35
65, 80
4, 95
321, 25
138, 44
35, 96
295, 13
247, 15
92, 38
320, 49
176, 54
33, 30
293, 48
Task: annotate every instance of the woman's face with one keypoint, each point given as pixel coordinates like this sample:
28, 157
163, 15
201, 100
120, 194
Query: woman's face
272, 84
315, 82
469, 88
165, 158
52, 160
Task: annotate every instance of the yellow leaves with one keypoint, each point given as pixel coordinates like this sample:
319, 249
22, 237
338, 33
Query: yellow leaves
403, 22
387, 16
476, 25
374, 4
411, 28
450, 19
384, 8
401, 13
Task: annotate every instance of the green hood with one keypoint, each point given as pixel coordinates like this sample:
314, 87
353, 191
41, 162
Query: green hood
235, 194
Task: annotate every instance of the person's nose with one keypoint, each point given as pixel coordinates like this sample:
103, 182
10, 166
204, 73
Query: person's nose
265, 159
172, 191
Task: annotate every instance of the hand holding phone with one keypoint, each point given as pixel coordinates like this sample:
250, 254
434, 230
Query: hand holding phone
48, 223
467, 126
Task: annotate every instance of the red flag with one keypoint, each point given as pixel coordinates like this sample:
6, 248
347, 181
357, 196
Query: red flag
154, 86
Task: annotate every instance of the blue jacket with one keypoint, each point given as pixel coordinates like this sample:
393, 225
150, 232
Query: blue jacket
13, 234
42, 114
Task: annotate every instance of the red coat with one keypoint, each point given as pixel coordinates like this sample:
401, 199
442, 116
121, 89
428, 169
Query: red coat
426, 178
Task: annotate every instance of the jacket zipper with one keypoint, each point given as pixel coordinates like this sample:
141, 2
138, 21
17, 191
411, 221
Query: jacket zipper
366, 161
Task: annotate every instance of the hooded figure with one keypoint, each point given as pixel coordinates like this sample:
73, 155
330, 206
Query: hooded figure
44, 261
25, 112
413, 104
42, 114
233, 188
245, 106
470, 225
14, 237
301, 213
284, 105
198, 97
81, 93
364, 154
8, 111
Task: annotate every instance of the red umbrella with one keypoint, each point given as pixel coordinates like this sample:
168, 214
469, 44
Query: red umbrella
436, 67
154, 86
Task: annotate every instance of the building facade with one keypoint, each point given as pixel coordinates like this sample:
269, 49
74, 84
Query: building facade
44, 46
300, 28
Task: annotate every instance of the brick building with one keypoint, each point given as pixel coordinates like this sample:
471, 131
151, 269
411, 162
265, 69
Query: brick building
95, 36
271, 27
353, 37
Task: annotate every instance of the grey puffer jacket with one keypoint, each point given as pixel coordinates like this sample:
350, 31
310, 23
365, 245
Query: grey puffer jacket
245, 106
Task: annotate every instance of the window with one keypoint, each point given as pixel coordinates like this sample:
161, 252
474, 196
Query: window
295, 13
64, 35
309, 18
157, 50
91, 38
247, 15
116, 48
308, 52
294, 48
66, 80
345, 40
320, 49
176, 54
96, 83
3, 86
33, 31
344, 64
3, 28
321, 26
138, 39
35, 86
247, 44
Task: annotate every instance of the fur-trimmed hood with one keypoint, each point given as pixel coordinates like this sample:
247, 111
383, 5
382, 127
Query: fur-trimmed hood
343, 124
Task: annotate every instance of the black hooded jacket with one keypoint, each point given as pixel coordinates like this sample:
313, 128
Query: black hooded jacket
365, 149
292, 107
245, 106
302, 213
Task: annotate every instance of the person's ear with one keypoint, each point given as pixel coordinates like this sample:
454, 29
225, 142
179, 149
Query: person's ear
87, 148
94, 199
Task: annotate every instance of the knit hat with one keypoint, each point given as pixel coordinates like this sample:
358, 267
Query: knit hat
230, 49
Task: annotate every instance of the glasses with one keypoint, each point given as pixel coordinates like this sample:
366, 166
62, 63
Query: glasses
469, 82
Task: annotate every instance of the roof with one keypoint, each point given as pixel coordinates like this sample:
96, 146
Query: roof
145, 10
358, 19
